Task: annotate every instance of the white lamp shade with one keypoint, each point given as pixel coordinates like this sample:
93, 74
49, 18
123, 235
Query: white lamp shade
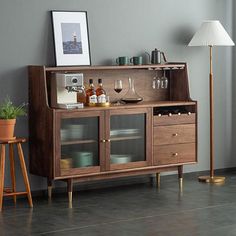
211, 33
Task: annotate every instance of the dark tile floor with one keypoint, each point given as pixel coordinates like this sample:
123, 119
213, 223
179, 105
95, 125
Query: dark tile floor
137, 209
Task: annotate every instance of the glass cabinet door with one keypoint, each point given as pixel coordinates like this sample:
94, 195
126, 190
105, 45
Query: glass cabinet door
128, 142
79, 145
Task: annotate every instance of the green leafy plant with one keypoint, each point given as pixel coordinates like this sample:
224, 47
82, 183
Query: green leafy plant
10, 111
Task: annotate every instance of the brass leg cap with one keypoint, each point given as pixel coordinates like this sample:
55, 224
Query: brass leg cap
213, 180
158, 178
70, 197
181, 184
49, 192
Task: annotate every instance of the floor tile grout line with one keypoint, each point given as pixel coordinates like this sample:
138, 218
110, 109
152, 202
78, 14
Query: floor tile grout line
133, 219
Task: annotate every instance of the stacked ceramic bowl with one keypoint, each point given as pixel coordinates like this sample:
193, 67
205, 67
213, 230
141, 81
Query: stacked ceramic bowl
65, 135
75, 131
82, 159
120, 159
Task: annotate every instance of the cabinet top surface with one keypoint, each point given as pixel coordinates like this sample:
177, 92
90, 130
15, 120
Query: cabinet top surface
172, 65
131, 105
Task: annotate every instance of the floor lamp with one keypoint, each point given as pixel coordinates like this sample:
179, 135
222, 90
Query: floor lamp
211, 33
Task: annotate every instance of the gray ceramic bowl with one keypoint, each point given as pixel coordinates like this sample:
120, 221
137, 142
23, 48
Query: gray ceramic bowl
75, 131
120, 159
64, 134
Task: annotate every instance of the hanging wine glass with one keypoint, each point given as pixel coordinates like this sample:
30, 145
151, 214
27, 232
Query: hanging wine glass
164, 80
156, 81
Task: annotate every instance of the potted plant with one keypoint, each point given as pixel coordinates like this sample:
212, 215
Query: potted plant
8, 115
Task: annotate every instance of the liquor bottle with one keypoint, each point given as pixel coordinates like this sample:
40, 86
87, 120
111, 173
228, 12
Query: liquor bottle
91, 97
100, 92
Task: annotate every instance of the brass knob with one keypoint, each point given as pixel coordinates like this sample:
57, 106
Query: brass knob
175, 154
175, 135
108, 140
103, 141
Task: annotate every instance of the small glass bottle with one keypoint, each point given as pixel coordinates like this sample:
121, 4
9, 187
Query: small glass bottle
101, 93
91, 97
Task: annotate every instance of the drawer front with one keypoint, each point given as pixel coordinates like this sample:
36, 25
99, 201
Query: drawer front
174, 119
174, 134
173, 154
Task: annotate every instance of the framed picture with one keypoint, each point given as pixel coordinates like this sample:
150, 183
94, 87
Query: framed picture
71, 38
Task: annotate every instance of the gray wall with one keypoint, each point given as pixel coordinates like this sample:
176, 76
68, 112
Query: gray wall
233, 141
125, 27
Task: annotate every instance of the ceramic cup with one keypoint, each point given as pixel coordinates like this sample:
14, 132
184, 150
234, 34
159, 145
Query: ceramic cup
122, 61
136, 60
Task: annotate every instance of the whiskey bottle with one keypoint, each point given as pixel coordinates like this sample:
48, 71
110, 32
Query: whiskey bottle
100, 92
91, 97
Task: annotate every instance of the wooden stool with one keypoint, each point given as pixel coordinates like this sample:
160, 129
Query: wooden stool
12, 191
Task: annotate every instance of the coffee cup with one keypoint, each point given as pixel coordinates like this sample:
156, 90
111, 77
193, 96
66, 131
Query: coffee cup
122, 61
136, 60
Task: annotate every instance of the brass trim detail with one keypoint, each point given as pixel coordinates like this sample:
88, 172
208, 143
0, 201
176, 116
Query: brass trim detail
49, 192
212, 179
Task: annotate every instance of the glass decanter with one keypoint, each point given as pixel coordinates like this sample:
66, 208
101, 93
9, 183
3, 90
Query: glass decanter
131, 96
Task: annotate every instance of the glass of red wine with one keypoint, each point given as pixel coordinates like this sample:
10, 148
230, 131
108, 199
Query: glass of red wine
118, 86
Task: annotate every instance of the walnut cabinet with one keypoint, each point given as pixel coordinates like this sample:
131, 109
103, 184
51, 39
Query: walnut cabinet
158, 134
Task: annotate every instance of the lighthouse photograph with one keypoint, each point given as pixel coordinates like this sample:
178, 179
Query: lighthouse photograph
71, 38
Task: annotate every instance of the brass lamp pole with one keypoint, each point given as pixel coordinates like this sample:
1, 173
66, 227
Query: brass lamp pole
211, 33
212, 178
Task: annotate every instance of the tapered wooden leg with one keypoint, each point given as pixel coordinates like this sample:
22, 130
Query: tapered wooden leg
180, 174
49, 189
70, 189
24, 173
2, 170
158, 178
12, 168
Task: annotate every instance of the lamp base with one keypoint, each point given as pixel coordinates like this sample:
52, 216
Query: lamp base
213, 179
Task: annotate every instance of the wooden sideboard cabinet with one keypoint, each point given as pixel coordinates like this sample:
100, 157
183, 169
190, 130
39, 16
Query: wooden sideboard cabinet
155, 135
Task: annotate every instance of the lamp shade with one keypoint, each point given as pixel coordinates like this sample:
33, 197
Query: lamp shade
211, 33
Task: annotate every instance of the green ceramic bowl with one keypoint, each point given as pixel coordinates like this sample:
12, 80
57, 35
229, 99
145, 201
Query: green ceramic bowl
82, 159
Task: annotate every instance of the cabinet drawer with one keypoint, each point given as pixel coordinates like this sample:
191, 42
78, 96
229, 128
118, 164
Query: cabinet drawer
174, 134
174, 119
173, 154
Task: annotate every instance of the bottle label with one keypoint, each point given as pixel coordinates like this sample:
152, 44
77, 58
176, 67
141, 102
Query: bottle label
102, 98
93, 99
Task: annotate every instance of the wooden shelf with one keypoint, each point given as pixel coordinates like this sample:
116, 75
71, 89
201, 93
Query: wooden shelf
175, 65
125, 138
71, 142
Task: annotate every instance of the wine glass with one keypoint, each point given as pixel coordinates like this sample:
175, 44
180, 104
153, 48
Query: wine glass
164, 81
156, 82
118, 86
